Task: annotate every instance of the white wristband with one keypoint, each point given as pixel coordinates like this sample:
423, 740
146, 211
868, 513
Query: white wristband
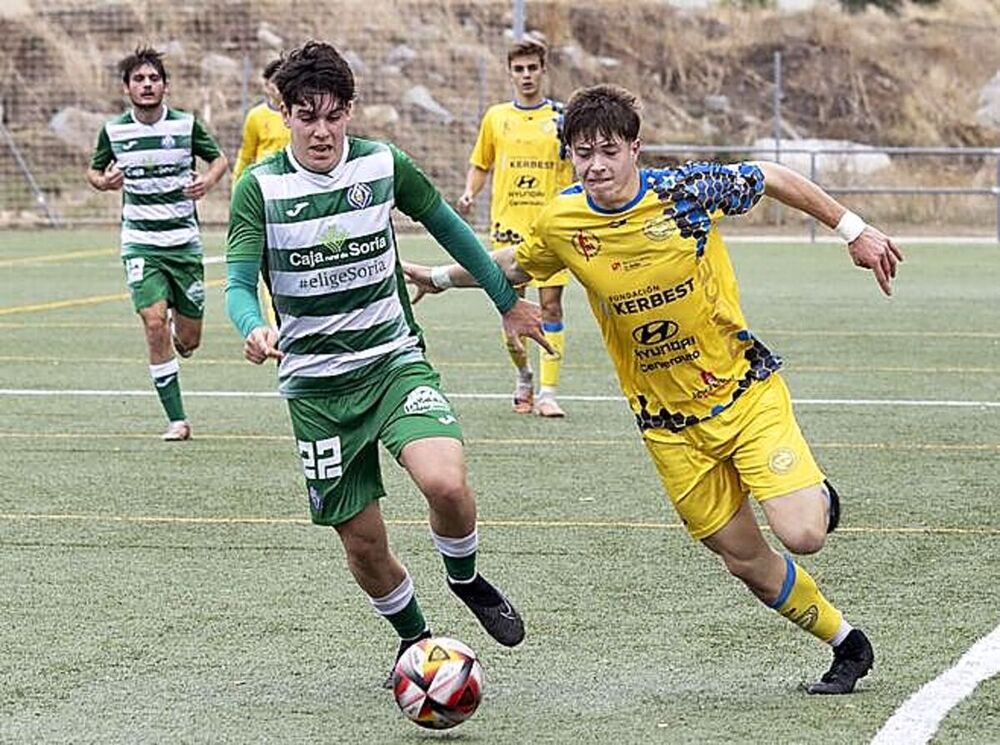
850, 227
441, 278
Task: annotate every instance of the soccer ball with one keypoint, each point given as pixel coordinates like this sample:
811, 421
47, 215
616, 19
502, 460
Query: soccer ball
438, 683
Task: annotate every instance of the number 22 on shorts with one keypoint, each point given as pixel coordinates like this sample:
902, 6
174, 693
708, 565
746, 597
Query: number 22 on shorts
321, 459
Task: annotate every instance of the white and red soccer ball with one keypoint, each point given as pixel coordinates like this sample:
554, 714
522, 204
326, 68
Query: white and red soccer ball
438, 682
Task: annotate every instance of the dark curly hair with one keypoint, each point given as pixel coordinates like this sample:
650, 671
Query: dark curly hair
142, 56
607, 110
312, 70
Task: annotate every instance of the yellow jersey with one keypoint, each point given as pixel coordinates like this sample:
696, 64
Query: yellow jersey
661, 286
264, 132
522, 147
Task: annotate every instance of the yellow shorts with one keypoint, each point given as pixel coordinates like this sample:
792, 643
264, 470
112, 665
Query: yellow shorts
559, 279
753, 447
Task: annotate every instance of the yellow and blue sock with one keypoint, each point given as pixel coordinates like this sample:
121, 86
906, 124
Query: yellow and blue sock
550, 365
801, 602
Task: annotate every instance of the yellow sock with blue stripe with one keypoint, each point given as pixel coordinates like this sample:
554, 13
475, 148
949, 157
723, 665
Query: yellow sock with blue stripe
550, 365
801, 602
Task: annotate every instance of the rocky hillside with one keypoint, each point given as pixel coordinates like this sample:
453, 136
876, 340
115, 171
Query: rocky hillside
427, 68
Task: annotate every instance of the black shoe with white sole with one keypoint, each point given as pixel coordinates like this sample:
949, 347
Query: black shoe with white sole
492, 609
852, 659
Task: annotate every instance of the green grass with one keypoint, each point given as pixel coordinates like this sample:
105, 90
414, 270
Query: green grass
155, 593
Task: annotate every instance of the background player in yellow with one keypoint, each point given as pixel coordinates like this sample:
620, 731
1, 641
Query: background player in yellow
519, 141
264, 130
713, 411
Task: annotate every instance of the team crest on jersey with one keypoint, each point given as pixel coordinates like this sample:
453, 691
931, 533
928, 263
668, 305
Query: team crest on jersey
659, 228
168, 142
359, 196
423, 399
586, 244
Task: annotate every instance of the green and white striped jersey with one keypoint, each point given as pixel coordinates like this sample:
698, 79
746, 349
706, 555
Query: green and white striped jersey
328, 245
157, 161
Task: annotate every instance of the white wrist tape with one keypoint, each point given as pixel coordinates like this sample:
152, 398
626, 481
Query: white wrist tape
850, 227
440, 278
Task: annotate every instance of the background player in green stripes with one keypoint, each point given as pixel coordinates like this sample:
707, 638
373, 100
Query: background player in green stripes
149, 153
352, 364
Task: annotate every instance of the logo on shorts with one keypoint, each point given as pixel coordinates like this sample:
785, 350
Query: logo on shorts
781, 461
423, 399
315, 499
196, 293
134, 269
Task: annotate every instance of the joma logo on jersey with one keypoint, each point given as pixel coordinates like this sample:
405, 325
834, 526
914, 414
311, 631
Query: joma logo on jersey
586, 244
296, 209
334, 238
359, 196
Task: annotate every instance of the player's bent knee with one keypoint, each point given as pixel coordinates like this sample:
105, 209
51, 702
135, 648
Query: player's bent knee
446, 490
803, 540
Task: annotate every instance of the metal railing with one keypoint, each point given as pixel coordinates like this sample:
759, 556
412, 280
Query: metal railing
814, 153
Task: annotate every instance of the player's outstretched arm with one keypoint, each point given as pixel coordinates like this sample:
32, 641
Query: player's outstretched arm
869, 247
524, 318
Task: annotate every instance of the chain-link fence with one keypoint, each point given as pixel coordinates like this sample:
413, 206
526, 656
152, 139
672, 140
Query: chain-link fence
425, 72
427, 69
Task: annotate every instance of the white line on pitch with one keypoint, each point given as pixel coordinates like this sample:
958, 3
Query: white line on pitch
505, 396
917, 720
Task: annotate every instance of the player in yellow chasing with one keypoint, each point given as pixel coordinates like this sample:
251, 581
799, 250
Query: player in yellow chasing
264, 132
519, 141
713, 411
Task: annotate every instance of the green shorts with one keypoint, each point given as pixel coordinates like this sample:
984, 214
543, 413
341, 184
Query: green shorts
338, 436
179, 279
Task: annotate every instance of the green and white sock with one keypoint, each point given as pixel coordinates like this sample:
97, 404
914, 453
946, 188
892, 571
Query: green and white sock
459, 555
400, 608
166, 378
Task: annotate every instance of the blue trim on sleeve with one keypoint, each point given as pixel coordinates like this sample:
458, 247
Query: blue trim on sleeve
786, 587
552, 326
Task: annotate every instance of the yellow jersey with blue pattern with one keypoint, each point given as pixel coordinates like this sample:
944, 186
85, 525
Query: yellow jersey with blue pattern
662, 288
522, 146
